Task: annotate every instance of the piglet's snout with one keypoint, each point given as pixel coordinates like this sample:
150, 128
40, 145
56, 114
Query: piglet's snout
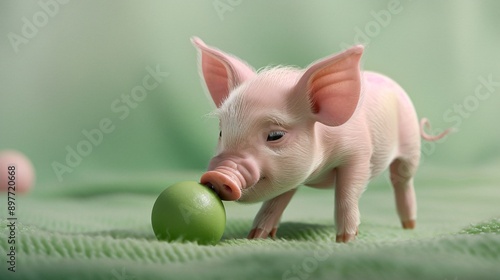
228, 178
223, 184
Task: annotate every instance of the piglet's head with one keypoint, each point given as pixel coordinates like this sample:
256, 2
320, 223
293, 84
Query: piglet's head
268, 141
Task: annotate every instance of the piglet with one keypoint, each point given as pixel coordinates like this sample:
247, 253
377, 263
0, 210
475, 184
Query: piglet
328, 126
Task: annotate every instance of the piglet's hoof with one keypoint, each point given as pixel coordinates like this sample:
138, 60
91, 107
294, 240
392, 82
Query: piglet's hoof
409, 224
260, 233
346, 237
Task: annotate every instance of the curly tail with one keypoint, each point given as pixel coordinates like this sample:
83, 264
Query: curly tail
425, 124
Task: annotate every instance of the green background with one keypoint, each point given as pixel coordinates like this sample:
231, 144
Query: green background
66, 77
87, 55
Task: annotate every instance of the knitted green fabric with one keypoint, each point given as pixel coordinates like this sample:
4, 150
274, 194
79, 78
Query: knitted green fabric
102, 230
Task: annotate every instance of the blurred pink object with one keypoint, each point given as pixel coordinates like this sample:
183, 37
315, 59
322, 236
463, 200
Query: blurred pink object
24, 173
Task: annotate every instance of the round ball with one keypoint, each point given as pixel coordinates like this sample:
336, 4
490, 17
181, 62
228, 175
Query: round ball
188, 211
16, 169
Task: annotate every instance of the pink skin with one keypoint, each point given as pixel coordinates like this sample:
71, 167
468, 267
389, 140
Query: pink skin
23, 174
328, 126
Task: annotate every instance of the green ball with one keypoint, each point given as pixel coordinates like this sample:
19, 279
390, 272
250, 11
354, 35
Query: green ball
188, 211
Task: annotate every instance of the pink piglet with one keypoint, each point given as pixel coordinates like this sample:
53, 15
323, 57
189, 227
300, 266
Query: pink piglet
330, 125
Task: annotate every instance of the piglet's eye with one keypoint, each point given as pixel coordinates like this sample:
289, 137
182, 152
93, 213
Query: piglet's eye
220, 134
275, 135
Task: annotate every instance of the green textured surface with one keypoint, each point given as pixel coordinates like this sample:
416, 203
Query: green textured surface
94, 222
107, 235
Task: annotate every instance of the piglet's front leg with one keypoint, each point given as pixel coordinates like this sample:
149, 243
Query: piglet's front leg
351, 182
267, 220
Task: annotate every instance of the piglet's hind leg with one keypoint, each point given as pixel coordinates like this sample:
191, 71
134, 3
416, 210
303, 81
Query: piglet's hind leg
402, 172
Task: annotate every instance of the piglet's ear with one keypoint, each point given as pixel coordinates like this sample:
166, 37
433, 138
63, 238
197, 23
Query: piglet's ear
334, 86
221, 72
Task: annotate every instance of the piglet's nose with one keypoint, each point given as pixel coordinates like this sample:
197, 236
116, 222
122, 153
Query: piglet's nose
223, 185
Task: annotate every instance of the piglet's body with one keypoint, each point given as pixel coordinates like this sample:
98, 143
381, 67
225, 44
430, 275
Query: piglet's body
328, 126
